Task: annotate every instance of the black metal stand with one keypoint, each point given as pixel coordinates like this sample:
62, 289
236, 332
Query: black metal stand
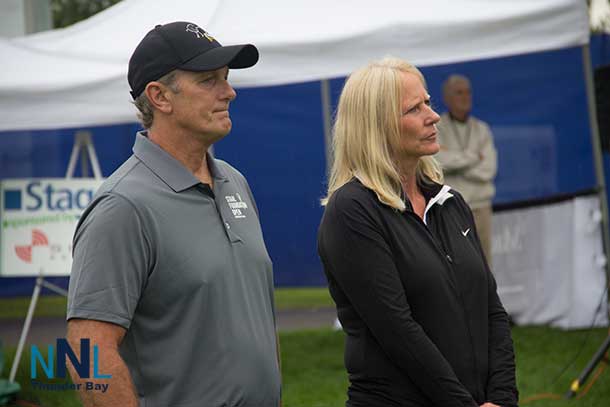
584, 375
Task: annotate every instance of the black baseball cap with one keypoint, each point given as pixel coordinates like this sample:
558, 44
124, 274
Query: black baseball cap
186, 46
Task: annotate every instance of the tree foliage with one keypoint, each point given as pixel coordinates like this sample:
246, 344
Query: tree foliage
68, 12
600, 23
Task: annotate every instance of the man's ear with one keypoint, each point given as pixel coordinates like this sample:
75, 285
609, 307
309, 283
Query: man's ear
157, 95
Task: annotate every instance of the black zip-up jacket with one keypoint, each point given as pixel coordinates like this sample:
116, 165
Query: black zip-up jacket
424, 323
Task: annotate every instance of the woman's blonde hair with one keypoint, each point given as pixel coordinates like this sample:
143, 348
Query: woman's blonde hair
367, 126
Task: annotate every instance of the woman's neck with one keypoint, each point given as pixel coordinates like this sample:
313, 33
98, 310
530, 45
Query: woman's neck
407, 171
408, 180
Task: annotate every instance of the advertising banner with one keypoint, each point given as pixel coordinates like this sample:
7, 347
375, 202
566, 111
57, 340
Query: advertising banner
549, 264
37, 222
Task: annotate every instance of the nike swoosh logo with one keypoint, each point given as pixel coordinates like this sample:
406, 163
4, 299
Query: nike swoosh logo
465, 232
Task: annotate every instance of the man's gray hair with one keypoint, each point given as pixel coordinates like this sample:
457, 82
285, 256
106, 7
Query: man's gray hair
145, 109
452, 80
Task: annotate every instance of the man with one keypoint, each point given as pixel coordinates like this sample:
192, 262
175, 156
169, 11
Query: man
171, 278
468, 155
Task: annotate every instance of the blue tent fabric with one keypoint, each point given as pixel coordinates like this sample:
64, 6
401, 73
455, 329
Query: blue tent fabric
278, 144
600, 49
536, 105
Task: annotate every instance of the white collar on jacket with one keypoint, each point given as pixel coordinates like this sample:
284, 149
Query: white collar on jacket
439, 198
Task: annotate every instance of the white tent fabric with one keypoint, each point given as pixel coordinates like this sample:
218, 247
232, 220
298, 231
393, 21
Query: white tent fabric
77, 76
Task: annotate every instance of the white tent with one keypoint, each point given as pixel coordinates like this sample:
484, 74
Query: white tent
77, 76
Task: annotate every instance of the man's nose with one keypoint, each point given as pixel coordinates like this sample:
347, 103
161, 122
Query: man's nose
229, 93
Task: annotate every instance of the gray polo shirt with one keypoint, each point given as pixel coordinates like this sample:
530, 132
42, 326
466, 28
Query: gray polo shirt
185, 270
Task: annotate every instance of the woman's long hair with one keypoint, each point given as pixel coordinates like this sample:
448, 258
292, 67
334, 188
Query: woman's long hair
366, 128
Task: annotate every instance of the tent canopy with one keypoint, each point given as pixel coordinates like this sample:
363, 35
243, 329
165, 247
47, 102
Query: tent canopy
76, 77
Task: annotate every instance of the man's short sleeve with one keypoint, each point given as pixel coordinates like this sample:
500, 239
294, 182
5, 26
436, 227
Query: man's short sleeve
111, 261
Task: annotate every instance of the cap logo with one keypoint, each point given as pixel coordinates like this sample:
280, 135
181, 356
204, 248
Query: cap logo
199, 32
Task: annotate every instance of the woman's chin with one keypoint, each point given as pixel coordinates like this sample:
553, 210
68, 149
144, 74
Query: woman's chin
432, 149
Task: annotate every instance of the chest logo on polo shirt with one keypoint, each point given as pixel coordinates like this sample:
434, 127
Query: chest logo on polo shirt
237, 205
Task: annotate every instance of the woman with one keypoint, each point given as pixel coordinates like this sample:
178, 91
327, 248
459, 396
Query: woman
414, 294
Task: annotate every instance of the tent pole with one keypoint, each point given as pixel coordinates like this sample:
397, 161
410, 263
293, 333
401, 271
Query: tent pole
601, 191
26, 326
83, 143
597, 154
326, 114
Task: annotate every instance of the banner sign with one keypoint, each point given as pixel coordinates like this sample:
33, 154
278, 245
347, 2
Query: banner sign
37, 222
549, 264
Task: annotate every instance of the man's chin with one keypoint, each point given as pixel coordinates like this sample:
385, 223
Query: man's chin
217, 136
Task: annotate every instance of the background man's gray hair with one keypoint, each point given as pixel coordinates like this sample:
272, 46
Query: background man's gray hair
145, 109
452, 80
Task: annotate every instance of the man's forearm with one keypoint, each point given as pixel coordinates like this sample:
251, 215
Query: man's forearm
120, 390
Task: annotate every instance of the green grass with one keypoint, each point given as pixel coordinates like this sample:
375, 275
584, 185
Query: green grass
542, 353
293, 298
313, 373
55, 306
47, 306
312, 369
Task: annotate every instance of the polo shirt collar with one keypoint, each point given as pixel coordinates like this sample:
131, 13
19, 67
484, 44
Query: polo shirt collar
439, 198
434, 194
429, 188
170, 170
218, 173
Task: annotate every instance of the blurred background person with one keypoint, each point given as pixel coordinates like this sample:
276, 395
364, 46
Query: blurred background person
415, 297
468, 155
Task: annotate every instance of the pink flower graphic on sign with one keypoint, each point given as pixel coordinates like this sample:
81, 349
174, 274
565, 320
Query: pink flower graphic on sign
24, 252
